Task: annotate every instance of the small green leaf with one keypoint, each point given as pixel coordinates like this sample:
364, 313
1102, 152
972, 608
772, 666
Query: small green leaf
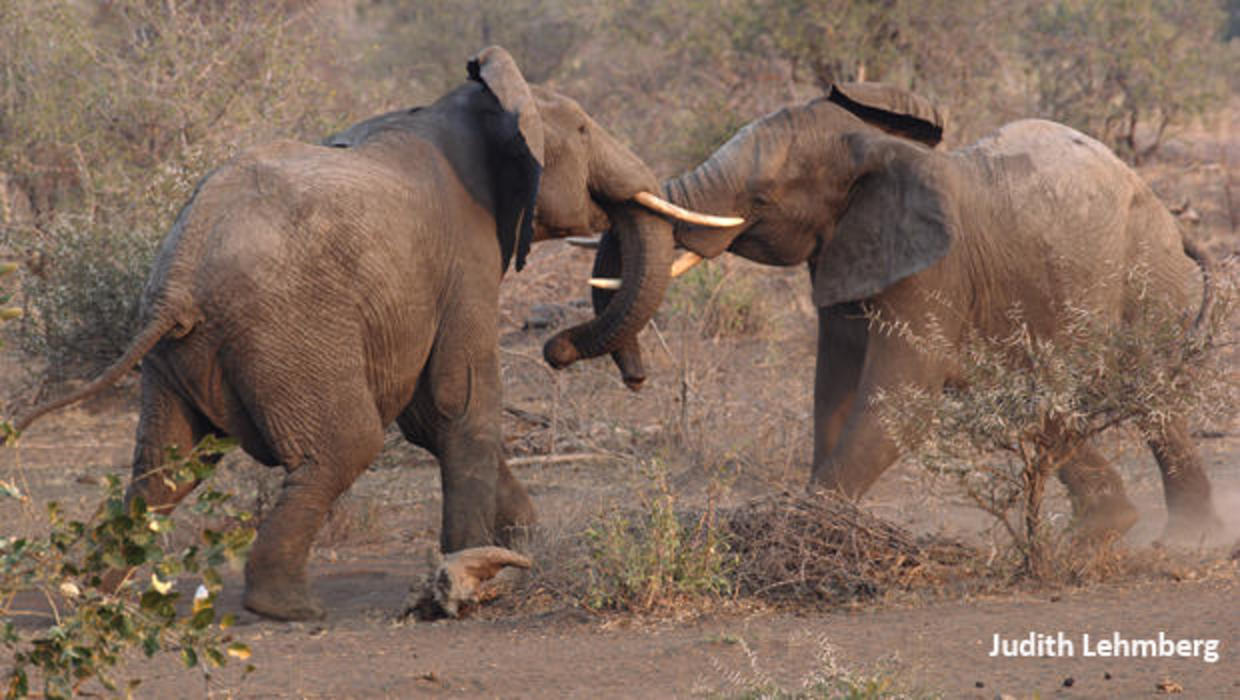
203, 618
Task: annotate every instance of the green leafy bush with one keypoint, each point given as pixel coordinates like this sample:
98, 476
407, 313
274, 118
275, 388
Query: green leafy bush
95, 629
654, 559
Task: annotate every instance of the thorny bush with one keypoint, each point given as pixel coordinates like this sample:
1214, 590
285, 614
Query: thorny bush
1026, 403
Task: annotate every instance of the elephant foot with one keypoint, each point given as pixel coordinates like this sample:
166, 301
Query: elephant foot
290, 602
1192, 530
514, 512
1106, 519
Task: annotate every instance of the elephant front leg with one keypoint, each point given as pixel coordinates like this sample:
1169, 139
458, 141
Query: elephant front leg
514, 511
864, 448
841, 356
483, 503
456, 415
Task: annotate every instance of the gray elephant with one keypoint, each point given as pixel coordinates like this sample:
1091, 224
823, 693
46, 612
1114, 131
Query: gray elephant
1035, 214
308, 296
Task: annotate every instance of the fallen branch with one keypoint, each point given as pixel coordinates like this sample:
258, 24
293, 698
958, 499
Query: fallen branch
557, 459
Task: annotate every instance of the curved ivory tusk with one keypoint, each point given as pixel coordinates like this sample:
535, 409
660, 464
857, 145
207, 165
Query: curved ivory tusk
663, 206
680, 266
583, 241
685, 262
605, 282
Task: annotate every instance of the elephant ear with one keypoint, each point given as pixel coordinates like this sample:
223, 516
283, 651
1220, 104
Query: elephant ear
896, 221
519, 136
898, 112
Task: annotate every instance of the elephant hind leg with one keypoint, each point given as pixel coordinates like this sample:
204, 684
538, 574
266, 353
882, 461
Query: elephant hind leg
1190, 510
337, 438
1101, 509
167, 420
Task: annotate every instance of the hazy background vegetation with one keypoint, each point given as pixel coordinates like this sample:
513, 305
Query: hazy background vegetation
110, 111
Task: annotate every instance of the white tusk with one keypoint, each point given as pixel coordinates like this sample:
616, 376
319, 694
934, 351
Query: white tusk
680, 266
685, 262
583, 242
665, 207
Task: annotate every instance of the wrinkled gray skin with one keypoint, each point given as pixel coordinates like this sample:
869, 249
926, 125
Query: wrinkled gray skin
310, 295
1036, 215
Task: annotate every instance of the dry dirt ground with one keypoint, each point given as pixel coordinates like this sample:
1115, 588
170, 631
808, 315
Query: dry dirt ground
729, 403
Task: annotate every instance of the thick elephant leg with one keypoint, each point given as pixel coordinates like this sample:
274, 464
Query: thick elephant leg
865, 448
348, 438
841, 355
469, 471
483, 502
166, 421
1100, 507
514, 511
455, 414
1190, 510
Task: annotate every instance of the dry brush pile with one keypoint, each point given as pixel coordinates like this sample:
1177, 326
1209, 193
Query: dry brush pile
817, 547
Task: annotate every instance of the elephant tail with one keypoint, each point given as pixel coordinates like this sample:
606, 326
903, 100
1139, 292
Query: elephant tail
1201, 325
154, 332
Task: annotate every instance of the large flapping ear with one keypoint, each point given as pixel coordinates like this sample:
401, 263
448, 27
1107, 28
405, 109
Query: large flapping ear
521, 135
898, 112
897, 221
495, 68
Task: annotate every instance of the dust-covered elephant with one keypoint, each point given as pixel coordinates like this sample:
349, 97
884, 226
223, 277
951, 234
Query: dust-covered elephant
308, 296
1035, 215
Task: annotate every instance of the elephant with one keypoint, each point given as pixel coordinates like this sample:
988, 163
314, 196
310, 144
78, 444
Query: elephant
308, 296
854, 185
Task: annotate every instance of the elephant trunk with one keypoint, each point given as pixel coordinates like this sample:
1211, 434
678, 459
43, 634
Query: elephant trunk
712, 186
645, 242
608, 264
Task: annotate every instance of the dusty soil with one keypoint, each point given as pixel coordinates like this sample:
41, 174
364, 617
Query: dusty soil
734, 405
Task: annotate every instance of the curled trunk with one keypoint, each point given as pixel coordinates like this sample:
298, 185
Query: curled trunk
628, 356
645, 243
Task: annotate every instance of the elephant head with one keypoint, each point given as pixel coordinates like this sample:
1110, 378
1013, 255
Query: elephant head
846, 182
549, 170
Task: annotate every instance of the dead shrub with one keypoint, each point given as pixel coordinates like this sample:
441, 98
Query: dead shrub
821, 547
